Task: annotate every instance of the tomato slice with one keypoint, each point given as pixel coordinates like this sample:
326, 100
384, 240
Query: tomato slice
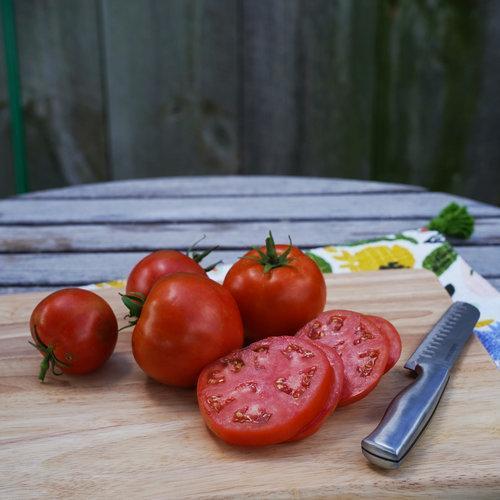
265, 393
334, 397
392, 335
362, 346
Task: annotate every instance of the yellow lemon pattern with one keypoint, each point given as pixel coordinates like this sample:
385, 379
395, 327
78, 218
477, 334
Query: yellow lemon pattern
375, 258
111, 284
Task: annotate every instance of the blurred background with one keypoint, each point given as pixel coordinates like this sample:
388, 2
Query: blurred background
394, 90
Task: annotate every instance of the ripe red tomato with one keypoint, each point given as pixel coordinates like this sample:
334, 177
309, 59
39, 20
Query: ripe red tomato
333, 398
278, 289
187, 321
392, 335
156, 265
75, 330
362, 346
265, 393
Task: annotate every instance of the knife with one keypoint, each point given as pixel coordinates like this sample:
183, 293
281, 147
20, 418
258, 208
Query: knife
410, 411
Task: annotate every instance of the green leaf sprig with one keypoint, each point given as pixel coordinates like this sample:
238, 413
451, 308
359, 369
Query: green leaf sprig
270, 259
49, 361
455, 221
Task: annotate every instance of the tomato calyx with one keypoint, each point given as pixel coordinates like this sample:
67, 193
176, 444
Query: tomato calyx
133, 301
49, 360
199, 256
270, 259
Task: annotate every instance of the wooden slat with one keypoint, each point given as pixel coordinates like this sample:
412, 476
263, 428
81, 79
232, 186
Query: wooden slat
172, 85
337, 62
271, 131
484, 260
8, 290
222, 186
307, 86
76, 269
129, 237
436, 98
83, 268
495, 282
59, 55
483, 151
327, 207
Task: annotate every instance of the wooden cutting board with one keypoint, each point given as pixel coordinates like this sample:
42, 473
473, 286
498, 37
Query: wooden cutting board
118, 434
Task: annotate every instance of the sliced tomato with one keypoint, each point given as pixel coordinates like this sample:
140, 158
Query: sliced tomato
392, 335
334, 398
265, 393
362, 346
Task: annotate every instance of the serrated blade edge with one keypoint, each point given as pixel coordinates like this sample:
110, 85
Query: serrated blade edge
448, 336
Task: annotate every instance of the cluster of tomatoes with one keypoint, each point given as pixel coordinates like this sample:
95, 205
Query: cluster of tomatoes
189, 330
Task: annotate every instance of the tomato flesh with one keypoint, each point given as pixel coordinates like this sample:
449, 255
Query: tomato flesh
265, 393
392, 335
363, 348
334, 397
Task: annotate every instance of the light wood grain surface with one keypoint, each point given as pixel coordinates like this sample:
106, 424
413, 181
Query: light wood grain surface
116, 433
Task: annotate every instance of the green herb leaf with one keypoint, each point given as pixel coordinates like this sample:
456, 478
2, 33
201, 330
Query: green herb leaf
455, 221
323, 265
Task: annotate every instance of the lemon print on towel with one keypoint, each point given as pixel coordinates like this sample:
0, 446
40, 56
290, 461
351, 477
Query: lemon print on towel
373, 258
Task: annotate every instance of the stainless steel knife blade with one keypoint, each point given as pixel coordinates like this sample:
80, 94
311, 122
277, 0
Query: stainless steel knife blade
410, 411
444, 343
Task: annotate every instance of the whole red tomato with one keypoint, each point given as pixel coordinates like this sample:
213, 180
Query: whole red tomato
187, 322
75, 330
278, 290
156, 265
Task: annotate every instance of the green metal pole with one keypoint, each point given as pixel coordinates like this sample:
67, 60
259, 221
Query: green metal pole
14, 86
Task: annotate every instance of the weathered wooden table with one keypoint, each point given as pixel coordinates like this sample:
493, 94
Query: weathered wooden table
92, 233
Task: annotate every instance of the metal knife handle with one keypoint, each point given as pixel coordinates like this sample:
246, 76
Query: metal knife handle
406, 418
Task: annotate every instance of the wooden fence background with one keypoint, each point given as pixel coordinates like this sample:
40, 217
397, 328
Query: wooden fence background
400, 90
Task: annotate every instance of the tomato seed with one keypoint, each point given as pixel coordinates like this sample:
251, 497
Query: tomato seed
261, 348
366, 369
365, 334
316, 331
305, 382
242, 417
216, 377
217, 403
282, 386
262, 351
235, 364
336, 322
291, 348
308, 375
